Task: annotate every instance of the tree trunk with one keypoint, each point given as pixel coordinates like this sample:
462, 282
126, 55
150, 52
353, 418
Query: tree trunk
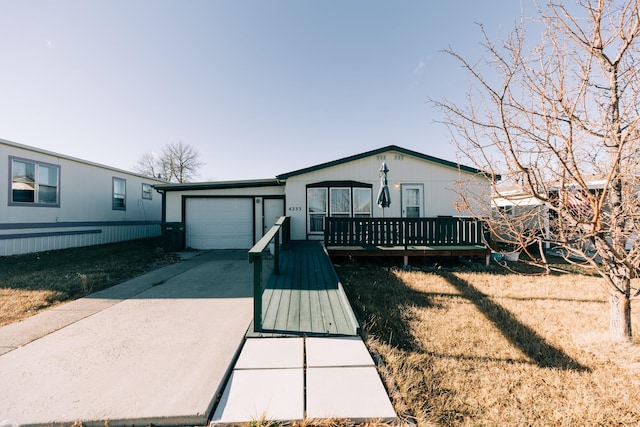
620, 320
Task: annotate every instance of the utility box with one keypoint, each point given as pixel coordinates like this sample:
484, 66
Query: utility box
173, 236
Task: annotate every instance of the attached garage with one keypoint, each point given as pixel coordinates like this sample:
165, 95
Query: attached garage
219, 222
224, 214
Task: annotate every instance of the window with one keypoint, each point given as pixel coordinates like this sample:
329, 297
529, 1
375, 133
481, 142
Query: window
34, 183
119, 194
362, 202
333, 198
317, 208
147, 191
506, 210
341, 202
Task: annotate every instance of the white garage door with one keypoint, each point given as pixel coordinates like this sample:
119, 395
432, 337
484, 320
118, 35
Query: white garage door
219, 223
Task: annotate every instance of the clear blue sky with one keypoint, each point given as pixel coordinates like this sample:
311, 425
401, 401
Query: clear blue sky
259, 88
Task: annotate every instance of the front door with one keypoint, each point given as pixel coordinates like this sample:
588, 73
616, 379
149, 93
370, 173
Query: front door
273, 209
412, 200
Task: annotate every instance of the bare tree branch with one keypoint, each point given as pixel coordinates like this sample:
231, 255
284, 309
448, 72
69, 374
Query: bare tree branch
559, 121
177, 162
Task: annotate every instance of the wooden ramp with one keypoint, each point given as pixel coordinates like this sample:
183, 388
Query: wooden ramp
306, 298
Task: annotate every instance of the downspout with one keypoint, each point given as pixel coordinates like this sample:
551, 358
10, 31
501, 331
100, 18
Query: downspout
164, 203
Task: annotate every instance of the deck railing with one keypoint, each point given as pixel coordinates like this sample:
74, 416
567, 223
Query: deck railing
278, 235
439, 231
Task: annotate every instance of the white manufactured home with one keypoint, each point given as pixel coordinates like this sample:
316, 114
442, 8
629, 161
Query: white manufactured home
52, 201
226, 215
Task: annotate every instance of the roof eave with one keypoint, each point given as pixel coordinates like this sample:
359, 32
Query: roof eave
216, 185
401, 150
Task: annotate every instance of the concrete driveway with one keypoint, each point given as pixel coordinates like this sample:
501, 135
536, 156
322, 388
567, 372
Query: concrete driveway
154, 350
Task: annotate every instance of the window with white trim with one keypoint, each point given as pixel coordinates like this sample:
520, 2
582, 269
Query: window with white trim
340, 202
361, 202
34, 183
316, 208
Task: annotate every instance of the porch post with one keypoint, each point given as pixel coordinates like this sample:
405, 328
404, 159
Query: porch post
276, 253
257, 292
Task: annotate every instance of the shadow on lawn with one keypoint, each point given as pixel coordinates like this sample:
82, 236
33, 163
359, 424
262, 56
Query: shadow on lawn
380, 300
527, 340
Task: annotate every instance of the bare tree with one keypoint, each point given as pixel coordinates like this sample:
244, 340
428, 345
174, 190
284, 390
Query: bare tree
177, 162
559, 118
148, 165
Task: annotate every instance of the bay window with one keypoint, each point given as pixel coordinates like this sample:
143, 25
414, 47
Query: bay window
343, 199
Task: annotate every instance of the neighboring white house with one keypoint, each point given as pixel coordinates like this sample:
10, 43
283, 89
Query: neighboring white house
52, 201
518, 211
236, 214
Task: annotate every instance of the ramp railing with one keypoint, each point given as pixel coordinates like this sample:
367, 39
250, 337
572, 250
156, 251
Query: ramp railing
277, 236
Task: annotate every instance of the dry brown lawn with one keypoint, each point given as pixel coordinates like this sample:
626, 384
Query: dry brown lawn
462, 346
34, 282
489, 347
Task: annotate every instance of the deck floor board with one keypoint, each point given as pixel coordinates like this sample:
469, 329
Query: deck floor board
293, 318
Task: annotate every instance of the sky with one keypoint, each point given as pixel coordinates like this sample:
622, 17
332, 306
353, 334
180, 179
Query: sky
258, 88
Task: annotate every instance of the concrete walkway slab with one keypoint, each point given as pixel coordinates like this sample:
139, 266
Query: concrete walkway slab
271, 353
338, 380
30, 329
158, 357
337, 351
355, 393
267, 382
262, 394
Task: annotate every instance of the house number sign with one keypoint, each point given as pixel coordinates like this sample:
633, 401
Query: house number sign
295, 209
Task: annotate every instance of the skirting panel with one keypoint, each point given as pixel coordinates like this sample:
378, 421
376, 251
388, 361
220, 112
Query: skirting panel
41, 240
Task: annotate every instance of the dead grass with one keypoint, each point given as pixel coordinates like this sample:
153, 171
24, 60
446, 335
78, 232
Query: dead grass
465, 347
34, 282
488, 347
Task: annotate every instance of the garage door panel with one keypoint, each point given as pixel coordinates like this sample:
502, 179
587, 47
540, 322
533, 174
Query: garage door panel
219, 223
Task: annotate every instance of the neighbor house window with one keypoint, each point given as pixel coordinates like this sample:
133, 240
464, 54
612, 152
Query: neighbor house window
507, 210
119, 194
147, 191
344, 199
34, 183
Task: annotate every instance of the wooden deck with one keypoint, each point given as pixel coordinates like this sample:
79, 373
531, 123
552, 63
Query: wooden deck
306, 297
406, 237
413, 251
